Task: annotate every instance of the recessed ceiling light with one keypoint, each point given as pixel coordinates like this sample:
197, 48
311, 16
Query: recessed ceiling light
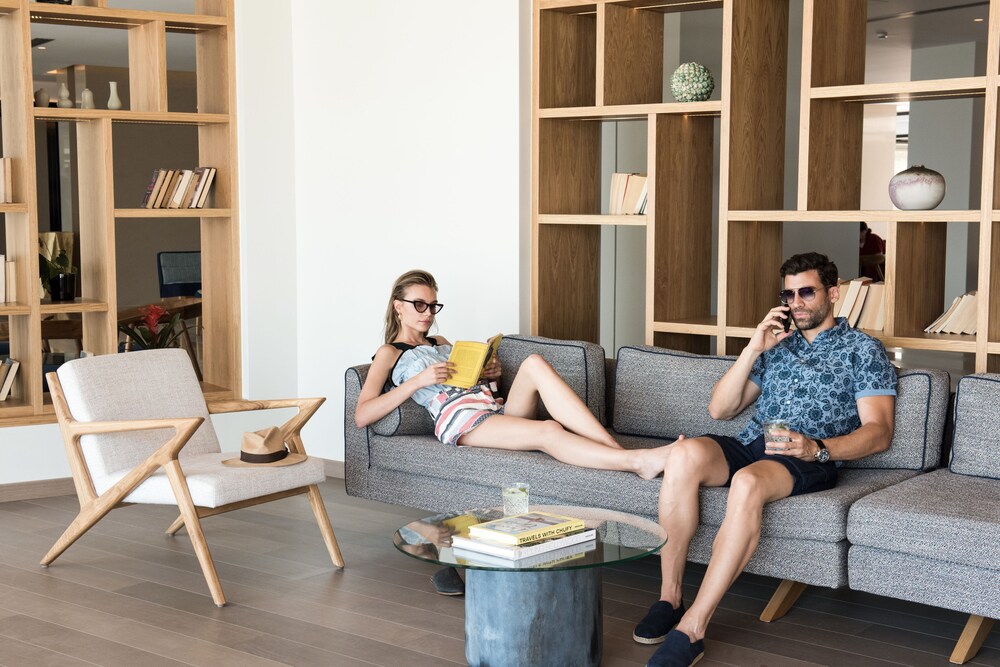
881, 34
978, 20
41, 48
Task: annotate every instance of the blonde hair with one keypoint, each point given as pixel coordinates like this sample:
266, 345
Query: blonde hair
404, 282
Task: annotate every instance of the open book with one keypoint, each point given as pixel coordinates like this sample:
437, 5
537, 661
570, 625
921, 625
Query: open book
469, 358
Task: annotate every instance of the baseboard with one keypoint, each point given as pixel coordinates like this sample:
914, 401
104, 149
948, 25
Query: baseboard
334, 468
42, 488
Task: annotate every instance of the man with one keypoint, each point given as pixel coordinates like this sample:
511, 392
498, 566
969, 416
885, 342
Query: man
871, 254
835, 387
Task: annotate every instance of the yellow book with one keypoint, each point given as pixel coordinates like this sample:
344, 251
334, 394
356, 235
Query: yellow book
469, 358
525, 528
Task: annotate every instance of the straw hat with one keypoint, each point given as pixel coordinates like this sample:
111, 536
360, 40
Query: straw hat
264, 448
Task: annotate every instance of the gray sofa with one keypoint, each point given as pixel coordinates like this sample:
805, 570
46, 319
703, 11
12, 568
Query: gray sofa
646, 396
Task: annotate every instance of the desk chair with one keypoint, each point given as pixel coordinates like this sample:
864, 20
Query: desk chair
179, 274
137, 430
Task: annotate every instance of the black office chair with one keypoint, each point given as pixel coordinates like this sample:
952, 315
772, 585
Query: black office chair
179, 273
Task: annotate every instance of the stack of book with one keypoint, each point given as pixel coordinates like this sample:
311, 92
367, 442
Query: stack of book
179, 188
960, 318
862, 302
7, 292
7, 373
628, 194
527, 540
6, 181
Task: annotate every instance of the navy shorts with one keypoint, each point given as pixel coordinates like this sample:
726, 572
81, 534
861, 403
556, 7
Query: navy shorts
807, 476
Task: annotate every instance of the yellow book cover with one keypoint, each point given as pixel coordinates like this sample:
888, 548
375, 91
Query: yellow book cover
469, 358
525, 528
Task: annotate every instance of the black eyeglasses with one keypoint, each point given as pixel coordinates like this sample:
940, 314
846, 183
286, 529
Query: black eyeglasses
805, 293
422, 306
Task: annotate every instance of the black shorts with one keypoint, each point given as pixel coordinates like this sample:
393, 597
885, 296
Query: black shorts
807, 476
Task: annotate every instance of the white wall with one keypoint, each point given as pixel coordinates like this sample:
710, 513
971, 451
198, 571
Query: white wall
408, 135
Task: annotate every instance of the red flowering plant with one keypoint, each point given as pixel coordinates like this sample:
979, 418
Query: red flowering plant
151, 332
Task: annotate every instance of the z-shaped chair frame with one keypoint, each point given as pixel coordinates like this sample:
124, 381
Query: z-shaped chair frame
94, 507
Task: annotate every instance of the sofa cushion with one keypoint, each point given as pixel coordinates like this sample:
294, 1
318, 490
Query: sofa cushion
664, 393
939, 515
818, 516
921, 410
977, 426
579, 363
408, 419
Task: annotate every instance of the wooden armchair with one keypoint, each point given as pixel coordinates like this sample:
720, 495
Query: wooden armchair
137, 430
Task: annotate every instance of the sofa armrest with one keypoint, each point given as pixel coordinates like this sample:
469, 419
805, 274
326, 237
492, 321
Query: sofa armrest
357, 456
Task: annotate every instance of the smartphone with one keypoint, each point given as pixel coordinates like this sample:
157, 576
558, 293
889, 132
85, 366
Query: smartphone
787, 323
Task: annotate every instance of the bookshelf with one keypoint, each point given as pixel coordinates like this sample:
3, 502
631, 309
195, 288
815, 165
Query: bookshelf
596, 61
212, 25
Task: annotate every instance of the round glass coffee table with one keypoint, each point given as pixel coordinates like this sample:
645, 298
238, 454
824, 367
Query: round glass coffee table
543, 610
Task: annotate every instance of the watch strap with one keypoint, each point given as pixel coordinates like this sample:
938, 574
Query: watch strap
822, 448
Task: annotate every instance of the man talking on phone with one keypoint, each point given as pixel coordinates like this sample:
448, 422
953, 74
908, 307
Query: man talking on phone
834, 387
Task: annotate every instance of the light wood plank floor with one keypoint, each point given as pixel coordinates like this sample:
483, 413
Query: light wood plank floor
127, 594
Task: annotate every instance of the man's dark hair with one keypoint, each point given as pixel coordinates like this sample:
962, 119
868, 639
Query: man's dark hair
864, 226
809, 261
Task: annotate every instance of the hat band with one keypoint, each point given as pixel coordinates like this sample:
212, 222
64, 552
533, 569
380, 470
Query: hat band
263, 458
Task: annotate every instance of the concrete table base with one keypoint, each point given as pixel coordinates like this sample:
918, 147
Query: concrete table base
533, 619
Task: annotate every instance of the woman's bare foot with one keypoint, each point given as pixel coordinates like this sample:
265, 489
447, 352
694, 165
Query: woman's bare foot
651, 462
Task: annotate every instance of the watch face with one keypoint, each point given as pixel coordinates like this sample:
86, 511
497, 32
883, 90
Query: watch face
823, 456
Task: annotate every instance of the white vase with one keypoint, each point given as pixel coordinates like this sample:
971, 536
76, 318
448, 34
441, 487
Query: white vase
41, 98
917, 189
64, 101
87, 99
114, 102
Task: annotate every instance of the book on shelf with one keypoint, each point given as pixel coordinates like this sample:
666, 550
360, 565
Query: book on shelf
3, 279
849, 296
935, 326
628, 194
169, 183
525, 528
859, 302
178, 188
194, 191
203, 195
873, 312
182, 184
6, 181
469, 358
10, 367
552, 558
963, 318
154, 187
517, 552
10, 281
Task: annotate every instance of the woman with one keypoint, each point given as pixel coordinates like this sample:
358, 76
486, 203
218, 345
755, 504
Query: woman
416, 366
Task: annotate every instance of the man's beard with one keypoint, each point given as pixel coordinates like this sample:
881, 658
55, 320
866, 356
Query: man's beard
814, 318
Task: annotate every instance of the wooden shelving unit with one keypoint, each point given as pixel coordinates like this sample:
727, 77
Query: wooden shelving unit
212, 25
600, 60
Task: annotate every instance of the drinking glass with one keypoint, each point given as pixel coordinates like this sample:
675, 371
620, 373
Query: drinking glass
775, 425
515, 498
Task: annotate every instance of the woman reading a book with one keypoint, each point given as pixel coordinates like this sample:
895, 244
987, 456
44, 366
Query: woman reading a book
416, 366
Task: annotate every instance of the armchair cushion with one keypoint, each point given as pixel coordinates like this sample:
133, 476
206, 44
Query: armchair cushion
104, 388
977, 423
213, 484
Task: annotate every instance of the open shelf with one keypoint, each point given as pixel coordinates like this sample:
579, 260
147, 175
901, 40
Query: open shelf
926, 341
14, 407
127, 213
126, 116
856, 216
973, 86
708, 326
15, 308
7, 6
634, 111
215, 393
13, 208
121, 18
75, 306
566, 219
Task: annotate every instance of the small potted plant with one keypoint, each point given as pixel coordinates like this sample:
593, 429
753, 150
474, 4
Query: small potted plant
150, 332
59, 275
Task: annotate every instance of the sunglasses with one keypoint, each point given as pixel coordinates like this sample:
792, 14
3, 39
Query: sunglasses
805, 293
422, 306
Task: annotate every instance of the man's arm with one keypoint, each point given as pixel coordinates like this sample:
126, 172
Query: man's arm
877, 415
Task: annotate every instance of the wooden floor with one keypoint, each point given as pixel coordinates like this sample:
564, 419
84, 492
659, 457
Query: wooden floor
127, 594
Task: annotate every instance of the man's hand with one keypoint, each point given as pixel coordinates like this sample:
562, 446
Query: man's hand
764, 337
798, 446
491, 371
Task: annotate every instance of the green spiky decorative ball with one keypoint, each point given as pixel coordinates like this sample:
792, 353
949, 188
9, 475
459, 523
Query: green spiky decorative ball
691, 82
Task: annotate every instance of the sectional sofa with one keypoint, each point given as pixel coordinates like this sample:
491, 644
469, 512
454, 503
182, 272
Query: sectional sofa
650, 395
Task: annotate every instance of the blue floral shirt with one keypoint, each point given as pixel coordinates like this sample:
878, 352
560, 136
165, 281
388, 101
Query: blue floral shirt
816, 387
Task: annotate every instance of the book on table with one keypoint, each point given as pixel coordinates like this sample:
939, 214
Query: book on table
565, 553
469, 358
519, 552
525, 528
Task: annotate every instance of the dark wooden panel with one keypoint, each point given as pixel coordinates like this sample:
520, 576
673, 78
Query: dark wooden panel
683, 342
753, 264
569, 282
567, 60
917, 288
836, 132
569, 172
838, 55
633, 56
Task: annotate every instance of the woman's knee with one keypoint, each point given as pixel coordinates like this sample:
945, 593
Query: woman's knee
536, 363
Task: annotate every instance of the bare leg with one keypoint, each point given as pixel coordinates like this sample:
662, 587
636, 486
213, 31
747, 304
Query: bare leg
507, 432
752, 487
537, 379
694, 463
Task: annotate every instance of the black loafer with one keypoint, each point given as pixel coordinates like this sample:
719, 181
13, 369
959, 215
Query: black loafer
659, 620
677, 651
447, 582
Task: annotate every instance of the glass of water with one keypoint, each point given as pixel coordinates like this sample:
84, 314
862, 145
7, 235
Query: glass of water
776, 425
515, 498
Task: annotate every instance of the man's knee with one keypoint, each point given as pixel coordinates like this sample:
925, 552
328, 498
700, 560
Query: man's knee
690, 458
753, 488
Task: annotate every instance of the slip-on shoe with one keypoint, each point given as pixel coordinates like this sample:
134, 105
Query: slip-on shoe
658, 621
677, 651
447, 582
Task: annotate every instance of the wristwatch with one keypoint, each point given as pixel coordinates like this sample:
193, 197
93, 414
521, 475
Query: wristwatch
822, 454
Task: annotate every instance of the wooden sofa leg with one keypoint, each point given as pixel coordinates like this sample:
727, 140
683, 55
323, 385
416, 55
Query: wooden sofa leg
176, 525
973, 636
323, 520
782, 600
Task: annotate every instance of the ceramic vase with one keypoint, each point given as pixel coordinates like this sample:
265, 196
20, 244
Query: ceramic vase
41, 98
917, 189
691, 82
87, 99
64, 101
114, 102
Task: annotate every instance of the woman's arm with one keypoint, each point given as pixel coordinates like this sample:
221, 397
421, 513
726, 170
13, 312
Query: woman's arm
373, 404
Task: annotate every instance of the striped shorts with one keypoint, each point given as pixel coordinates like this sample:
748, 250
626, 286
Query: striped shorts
458, 411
